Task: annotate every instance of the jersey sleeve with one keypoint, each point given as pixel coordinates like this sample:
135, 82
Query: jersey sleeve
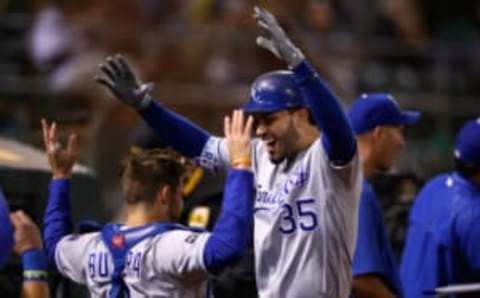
367, 257
214, 155
6, 231
348, 175
180, 253
71, 253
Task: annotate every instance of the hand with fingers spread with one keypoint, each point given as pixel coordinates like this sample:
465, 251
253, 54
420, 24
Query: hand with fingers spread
61, 160
27, 235
238, 135
120, 79
275, 39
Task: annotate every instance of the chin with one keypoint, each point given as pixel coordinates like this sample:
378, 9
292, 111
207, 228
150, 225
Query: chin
276, 160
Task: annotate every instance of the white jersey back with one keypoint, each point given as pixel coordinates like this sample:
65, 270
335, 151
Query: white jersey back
306, 217
166, 265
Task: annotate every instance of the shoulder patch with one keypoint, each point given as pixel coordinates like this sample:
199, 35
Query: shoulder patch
199, 217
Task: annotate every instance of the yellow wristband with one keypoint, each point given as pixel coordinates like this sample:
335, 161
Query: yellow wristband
244, 162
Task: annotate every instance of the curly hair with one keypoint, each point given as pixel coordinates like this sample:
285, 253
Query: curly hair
144, 171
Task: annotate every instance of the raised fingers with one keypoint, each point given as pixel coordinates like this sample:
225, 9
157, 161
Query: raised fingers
227, 126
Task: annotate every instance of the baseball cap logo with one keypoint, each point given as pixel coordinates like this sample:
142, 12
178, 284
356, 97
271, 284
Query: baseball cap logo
118, 241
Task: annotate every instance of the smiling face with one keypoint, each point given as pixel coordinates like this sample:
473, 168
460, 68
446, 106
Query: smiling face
279, 133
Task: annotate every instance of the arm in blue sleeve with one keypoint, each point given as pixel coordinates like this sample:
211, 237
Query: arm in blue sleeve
176, 131
6, 231
231, 233
337, 135
57, 219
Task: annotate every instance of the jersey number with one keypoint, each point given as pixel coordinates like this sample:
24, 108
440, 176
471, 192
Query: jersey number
306, 219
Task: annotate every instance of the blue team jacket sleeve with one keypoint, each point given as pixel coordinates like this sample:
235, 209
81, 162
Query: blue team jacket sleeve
57, 219
6, 231
367, 258
175, 131
337, 135
231, 233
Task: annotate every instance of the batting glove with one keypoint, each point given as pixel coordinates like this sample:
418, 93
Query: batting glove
276, 40
121, 81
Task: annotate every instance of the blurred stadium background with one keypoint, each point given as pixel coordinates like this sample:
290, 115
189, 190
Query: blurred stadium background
202, 56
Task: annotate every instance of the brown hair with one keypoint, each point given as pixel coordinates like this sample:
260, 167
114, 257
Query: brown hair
145, 171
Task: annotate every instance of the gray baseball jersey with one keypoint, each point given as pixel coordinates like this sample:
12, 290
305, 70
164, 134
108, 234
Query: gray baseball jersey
305, 225
166, 265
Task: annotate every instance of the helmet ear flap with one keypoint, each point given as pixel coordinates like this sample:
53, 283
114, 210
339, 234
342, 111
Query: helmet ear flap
274, 91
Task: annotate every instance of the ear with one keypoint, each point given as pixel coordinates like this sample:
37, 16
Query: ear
164, 194
378, 133
302, 114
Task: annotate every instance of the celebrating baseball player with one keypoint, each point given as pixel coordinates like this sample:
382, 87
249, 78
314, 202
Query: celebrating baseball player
150, 255
308, 186
443, 241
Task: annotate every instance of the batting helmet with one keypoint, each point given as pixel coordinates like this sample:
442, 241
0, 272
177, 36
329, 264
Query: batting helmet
274, 91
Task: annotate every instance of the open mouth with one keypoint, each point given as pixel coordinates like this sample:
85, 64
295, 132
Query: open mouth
270, 145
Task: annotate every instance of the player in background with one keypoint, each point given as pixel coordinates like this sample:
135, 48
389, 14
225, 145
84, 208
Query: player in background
378, 123
443, 240
28, 244
150, 255
308, 185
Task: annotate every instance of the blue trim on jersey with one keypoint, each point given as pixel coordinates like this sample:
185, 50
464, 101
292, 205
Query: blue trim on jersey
6, 231
175, 131
337, 135
230, 235
119, 242
57, 219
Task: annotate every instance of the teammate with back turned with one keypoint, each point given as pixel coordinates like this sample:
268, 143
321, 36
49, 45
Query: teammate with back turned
150, 255
308, 184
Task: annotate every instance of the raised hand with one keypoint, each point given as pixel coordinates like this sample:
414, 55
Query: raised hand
238, 135
27, 235
275, 39
124, 85
61, 160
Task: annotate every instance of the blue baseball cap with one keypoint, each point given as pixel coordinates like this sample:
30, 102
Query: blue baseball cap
377, 109
467, 143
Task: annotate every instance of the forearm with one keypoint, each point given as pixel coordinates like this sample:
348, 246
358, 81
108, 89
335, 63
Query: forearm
175, 131
337, 135
34, 274
231, 232
57, 218
370, 286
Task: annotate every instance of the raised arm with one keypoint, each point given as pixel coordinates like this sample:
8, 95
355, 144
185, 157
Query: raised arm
231, 232
57, 219
337, 136
28, 244
174, 130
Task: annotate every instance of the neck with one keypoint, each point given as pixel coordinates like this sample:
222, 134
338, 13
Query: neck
367, 159
307, 136
143, 214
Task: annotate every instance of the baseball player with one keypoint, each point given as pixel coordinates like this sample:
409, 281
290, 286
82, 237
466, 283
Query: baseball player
378, 123
443, 240
150, 255
308, 185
